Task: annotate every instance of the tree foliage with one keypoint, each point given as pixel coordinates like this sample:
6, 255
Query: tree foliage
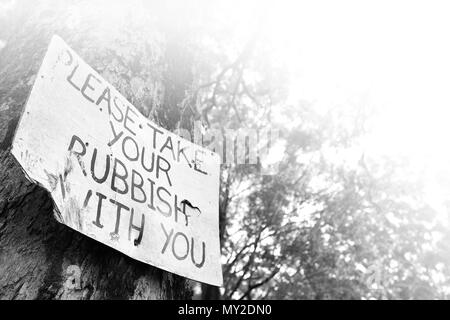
333, 222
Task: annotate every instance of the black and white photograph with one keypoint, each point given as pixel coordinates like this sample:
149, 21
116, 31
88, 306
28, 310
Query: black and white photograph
236, 151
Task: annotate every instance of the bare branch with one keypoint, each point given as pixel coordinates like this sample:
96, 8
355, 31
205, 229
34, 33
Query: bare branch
259, 284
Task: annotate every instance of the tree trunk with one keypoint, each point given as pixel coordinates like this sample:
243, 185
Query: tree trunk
149, 65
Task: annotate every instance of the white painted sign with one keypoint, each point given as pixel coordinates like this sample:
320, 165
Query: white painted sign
114, 175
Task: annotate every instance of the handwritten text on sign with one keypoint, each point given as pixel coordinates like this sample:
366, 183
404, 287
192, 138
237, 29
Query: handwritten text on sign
114, 175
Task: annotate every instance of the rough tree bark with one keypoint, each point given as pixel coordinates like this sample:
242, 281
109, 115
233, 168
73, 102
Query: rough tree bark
151, 66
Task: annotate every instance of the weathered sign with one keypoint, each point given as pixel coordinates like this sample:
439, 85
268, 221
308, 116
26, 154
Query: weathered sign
114, 175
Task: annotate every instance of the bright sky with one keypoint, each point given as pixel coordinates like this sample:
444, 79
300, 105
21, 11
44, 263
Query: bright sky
395, 53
